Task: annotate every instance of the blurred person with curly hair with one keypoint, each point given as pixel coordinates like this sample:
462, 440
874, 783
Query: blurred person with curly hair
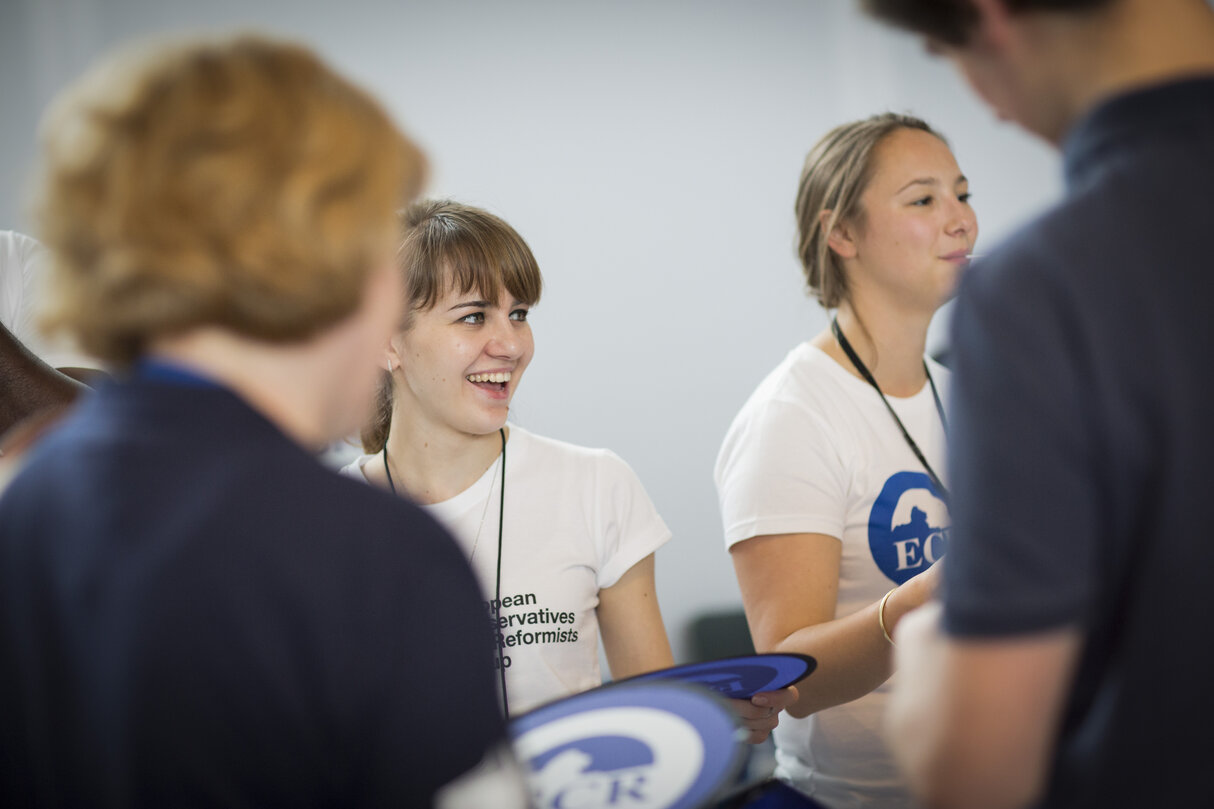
194, 611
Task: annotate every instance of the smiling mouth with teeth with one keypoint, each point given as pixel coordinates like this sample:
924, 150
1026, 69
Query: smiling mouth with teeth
498, 379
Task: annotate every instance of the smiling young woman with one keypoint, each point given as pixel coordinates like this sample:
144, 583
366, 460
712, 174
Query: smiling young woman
561, 537
829, 478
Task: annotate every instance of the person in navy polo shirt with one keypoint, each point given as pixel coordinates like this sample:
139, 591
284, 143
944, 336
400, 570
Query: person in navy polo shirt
1071, 662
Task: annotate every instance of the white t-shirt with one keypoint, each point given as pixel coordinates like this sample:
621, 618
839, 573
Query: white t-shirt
576, 520
814, 450
22, 273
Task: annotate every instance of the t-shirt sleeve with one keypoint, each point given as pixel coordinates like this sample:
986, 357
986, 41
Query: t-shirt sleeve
1025, 495
631, 527
354, 469
780, 472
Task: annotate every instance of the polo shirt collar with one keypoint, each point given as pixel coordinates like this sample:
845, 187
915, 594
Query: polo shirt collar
1140, 119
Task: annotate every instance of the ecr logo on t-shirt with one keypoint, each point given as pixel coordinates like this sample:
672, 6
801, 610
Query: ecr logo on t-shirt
908, 526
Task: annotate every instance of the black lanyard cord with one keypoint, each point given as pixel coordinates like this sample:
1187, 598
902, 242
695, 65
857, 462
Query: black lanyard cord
868, 377
501, 519
501, 514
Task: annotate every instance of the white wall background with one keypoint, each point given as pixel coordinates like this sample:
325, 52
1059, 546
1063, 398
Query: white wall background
649, 153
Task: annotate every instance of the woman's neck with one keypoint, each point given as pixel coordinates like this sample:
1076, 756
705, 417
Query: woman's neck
890, 344
431, 466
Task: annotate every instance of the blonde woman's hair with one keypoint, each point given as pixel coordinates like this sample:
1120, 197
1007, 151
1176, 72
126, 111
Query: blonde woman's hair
837, 171
450, 246
237, 182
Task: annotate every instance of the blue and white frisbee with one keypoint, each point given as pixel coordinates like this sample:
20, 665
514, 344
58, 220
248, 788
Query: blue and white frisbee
652, 745
739, 677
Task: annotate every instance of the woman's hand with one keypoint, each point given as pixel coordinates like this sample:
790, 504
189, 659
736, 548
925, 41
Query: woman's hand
761, 713
912, 594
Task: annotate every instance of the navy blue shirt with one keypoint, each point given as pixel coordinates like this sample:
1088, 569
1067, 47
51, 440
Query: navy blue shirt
1082, 447
194, 612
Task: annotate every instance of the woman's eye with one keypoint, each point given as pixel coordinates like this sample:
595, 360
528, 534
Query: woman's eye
519, 315
923, 202
473, 318
965, 197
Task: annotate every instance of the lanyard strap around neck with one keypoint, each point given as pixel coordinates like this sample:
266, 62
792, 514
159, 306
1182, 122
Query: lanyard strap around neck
868, 377
501, 519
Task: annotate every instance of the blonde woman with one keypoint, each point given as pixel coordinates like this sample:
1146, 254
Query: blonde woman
831, 476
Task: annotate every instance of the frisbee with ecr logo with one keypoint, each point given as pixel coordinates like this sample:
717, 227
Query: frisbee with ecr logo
640, 745
738, 677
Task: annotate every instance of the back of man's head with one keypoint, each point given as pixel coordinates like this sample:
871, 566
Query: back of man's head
952, 22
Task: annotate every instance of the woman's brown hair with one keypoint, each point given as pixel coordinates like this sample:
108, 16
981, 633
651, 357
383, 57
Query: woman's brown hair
445, 246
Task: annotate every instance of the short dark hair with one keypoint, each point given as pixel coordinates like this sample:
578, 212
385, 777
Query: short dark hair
952, 21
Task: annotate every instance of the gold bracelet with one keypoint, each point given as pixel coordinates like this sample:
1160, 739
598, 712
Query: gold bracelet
881, 615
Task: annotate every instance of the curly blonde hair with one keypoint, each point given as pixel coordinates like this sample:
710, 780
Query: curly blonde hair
236, 182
